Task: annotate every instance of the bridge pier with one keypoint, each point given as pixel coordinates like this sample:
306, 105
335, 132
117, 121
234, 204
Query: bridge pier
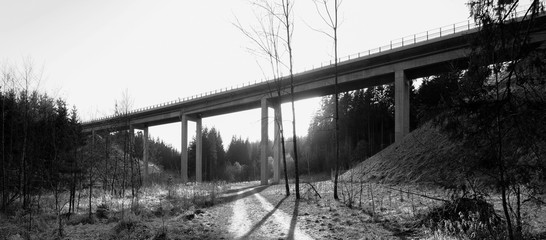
401, 105
264, 142
198, 150
131, 143
184, 150
145, 154
277, 149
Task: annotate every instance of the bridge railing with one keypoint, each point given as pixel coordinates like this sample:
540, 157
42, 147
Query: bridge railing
396, 43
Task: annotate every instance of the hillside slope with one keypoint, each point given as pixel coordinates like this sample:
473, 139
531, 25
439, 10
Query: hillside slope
426, 155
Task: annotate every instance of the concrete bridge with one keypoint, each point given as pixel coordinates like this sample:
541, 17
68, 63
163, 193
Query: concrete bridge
408, 58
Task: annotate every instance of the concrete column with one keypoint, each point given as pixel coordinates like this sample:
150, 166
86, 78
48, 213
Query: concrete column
198, 151
145, 153
184, 150
265, 139
401, 105
277, 151
131, 141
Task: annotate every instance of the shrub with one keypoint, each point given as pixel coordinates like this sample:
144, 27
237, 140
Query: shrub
468, 218
129, 223
103, 211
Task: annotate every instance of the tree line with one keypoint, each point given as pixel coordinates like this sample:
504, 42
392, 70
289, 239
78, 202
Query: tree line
40, 141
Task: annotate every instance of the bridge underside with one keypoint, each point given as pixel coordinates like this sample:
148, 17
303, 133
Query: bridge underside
398, 66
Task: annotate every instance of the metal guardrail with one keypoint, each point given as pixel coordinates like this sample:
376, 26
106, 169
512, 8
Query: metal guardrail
396, 43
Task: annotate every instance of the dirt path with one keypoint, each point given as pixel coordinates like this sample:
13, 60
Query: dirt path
253, 217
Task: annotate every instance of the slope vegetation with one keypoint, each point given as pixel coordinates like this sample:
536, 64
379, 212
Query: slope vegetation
426, 155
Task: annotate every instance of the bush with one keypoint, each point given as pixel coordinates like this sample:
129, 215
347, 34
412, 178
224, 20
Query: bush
469, 218
103, 211
129, 223
131, 227
82, 219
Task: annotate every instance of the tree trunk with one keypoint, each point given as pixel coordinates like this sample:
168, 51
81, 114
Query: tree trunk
90, 193
286, 10
4, 192
336, 117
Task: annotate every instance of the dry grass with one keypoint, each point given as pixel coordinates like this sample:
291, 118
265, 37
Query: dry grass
155, 201
426, 156
404, 208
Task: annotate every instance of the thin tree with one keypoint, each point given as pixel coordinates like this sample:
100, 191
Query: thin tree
266, 38
330, 18
6, 77
502, 101
125, 106
288, 23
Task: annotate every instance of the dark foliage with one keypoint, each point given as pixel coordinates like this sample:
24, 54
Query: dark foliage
214, 156
39, 144
366, 126
499, 111
159, 153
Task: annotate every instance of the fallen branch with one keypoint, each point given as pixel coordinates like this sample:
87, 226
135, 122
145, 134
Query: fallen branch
314, 189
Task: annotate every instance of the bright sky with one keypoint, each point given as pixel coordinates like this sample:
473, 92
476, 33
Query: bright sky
91, 51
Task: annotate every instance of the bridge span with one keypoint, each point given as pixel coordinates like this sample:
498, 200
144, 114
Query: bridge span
400, 62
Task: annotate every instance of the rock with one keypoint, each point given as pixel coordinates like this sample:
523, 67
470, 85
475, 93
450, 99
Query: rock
190, 216
199, 211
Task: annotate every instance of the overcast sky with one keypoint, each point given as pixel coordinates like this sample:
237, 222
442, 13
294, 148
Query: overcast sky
91, 51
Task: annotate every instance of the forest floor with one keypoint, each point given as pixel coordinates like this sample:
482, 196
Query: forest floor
248, 211
265, 212
236, 211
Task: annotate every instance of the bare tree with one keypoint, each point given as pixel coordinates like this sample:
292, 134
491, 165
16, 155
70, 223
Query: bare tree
330, 18
125, 106
287, 21
266, 38
283, 12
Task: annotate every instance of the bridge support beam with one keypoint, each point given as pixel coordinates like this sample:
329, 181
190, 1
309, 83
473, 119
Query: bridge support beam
401, 105
131, 143
198, 150
184, 150
145, 154
264, 143
277, 150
